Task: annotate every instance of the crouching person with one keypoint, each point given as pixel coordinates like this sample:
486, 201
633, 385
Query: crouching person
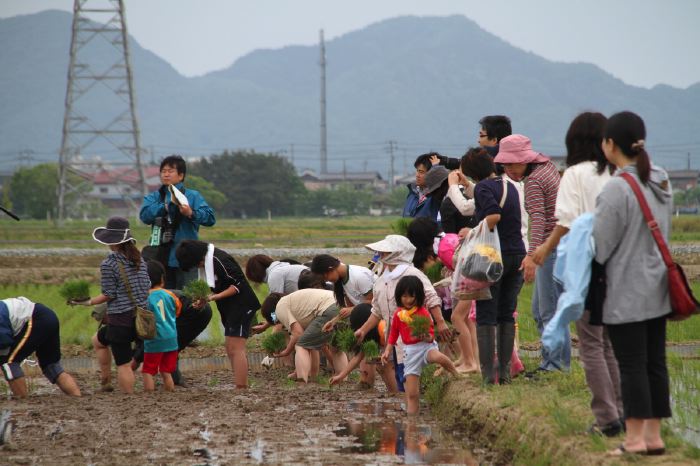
303, 314
25, 328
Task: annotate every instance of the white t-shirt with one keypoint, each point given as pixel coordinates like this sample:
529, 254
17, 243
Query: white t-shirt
282, 277
360, 282
578, 189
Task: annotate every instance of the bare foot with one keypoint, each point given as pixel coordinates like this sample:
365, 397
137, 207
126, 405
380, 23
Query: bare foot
292, 375
467, 369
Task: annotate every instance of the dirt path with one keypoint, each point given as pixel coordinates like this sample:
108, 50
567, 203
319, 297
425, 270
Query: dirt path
275, 422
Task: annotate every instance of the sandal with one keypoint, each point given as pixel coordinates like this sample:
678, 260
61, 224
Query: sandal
656, 451
621, 451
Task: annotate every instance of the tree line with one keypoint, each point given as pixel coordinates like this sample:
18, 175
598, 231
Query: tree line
236, 184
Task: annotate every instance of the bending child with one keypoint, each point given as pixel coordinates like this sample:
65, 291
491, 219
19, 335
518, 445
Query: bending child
160, 353
419, 350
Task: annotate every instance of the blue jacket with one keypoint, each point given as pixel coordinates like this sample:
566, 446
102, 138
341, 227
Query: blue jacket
575, 253
414, 207
202, 214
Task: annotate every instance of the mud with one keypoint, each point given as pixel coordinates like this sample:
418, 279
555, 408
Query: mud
208, 422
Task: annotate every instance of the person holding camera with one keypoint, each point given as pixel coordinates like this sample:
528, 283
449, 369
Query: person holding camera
175, 214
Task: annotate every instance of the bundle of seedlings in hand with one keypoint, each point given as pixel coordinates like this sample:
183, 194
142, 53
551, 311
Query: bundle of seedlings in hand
196, 290
274, 342
344, 340
420, 327
370, 349
75, 290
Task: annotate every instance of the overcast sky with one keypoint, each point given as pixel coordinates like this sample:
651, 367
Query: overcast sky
642, 42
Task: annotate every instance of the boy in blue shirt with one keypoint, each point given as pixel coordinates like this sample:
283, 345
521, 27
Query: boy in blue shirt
160, 353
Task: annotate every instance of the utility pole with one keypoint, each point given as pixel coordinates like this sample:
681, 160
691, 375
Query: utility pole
291, 154
688, 160
324, 147
392, 145
84, 127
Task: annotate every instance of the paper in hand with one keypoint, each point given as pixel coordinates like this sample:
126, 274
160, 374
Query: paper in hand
177, 197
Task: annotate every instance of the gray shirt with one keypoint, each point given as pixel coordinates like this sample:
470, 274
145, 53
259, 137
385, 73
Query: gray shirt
282, 277
637, 284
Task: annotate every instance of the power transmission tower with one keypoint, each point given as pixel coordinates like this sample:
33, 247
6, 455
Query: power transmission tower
324, 147
86, 128
392, 146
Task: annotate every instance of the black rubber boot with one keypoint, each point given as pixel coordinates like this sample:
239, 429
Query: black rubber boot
486, 338
178, 378
505, 342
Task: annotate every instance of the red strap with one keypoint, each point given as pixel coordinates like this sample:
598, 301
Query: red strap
651, 222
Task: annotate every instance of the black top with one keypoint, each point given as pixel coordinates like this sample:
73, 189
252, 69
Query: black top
228, 272
452, 220
487, 197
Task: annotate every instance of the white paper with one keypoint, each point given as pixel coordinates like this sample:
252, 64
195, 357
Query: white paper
177, 196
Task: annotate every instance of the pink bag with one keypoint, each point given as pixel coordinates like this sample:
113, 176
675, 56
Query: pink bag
446, 249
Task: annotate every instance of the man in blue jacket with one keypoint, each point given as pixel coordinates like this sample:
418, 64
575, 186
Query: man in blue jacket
418, 204
173, 221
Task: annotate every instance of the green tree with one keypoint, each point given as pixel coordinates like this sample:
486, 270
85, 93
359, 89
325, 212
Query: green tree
34, 192
343, 200
215, 198
253, 183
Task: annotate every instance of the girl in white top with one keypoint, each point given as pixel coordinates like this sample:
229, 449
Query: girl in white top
352, 284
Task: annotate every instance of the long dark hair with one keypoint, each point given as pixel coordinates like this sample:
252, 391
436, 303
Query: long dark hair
324, 263
131, 252
628, 132
421, 233
190, 253
583, 141
412, 286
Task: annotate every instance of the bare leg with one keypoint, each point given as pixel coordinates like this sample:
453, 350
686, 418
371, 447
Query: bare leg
149, 384
387, 373
412, 394
475, 346
125, 378
460, 316
329, 358
302, 361
436, 357
340, 361
634, 437
367, 373
104, 359
652, 434
18, 387
67, 384
168, 383
237, 356
315, 363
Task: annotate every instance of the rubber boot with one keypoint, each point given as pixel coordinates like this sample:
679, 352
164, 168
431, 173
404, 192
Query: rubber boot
178, 379
505, 341
486, 338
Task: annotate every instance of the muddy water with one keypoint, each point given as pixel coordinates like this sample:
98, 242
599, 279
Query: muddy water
275, 422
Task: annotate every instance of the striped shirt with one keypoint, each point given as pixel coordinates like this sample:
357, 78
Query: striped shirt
540, 201
114, 288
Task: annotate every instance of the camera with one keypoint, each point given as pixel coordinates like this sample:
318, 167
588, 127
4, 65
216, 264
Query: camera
167, 231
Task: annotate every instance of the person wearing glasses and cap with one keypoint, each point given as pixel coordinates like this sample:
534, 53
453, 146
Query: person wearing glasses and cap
124, 263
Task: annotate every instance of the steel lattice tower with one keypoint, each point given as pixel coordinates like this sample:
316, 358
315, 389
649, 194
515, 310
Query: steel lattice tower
87, 126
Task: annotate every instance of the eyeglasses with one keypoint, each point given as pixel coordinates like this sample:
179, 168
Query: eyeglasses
483, 135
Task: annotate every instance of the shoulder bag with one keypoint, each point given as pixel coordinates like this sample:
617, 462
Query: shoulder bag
145, 320
683, 303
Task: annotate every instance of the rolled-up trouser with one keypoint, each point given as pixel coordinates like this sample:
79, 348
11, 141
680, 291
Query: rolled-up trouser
602, 373
314, 337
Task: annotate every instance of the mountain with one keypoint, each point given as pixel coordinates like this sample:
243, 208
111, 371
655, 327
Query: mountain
421, 81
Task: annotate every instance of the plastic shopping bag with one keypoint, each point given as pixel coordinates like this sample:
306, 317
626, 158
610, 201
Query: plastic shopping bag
479, 264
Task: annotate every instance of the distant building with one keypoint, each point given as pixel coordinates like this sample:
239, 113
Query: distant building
357, 180
118, 188
684, 179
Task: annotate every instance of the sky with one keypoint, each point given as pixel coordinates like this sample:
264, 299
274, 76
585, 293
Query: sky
642, 42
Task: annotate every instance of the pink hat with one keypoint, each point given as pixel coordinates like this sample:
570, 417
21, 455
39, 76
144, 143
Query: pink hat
517, 148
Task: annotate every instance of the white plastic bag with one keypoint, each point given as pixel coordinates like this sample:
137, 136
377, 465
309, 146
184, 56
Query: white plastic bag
479, 264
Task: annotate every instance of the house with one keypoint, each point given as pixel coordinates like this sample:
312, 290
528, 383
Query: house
357, 180
684, 179
118, 188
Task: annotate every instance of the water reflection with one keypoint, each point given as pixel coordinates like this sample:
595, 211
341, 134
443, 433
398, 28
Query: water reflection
413, 439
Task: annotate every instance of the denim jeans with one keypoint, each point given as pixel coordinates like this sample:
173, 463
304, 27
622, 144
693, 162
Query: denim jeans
544, 305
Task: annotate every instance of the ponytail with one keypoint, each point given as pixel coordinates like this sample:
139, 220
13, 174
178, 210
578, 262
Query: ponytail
131, 252
628, 132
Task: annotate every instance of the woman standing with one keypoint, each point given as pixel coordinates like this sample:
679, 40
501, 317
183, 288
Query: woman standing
637, 300
233, 295
497, 203
123, 264
588, 171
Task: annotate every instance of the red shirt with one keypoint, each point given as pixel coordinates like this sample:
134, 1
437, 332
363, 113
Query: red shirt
398, 326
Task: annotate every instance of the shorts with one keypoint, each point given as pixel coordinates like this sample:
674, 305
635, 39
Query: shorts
314, 337
159, 362
415, 357
237, 322
41, 337
119, 341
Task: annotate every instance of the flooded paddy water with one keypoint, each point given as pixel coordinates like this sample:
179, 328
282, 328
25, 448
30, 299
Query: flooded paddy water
275, 422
